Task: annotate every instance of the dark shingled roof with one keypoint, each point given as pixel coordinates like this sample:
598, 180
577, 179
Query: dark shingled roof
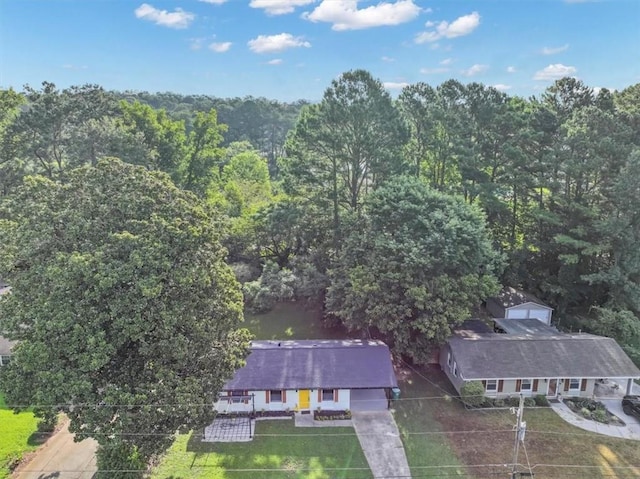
526, 327
509, 297
343, 364
505, 356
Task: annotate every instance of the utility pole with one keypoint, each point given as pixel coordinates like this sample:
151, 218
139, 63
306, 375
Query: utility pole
520, 429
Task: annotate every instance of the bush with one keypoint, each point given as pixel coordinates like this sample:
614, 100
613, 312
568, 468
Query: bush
585, 412
272, 286
498, 402
541, 400
473, 393
46, 426
529, 402
600, 415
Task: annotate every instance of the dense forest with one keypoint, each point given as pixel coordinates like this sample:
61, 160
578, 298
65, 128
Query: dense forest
399, 215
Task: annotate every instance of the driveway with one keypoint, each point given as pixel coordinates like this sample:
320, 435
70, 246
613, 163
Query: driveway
61, 458
380, 440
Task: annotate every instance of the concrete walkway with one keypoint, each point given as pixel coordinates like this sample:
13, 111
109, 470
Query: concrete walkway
630, 431
380, 440
61, 458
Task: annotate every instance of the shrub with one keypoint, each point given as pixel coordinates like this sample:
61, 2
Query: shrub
529, 402
600, 415
512, 402
585, 412
46, 426
541, 400
274, 285
473, 393
498, 402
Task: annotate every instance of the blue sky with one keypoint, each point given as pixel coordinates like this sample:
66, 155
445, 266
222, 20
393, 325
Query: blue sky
292, 49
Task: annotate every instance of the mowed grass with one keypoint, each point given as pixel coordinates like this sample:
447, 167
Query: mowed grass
428, 447
291, 321
486, 438
278, 450
15, 431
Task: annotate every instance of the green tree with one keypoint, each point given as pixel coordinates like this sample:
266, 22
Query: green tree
204, 156
51, 126
347, 145
124, 310
413, 266
11, 169
164, 137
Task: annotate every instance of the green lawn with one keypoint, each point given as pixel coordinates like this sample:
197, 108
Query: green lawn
279, 450
290, 321
486, 437
415, 416
15, 433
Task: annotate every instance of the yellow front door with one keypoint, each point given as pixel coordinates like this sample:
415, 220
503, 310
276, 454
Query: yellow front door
304, 398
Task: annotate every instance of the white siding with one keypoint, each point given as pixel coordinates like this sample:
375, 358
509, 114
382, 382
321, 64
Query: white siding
529, 310
291, 402
517, 313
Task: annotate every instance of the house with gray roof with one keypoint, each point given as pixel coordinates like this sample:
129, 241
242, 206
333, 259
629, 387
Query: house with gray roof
309, 375
532, 364
512, 303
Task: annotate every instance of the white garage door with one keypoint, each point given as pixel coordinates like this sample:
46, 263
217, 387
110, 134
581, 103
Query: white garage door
541, 314
517, 314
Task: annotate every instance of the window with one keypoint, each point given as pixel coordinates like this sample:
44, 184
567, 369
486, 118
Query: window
492, 385
526, 385
237, 396
574, 384
449, 359
276, 396
455, 369
4, 360
327, 394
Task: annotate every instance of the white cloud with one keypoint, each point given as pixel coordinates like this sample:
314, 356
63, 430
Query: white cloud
279, 7
554, 72
459, 27
511, 69
433, 71
502, 87
176, 19
345, 15
275, 61
388, 59
214, 2
220, 47
392, 85
475, 70
276, 43
446, 61
554, 50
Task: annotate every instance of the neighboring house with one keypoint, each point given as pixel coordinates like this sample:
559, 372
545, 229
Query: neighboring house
5, 350
547, 364
5, 344
309, 375
514, 304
